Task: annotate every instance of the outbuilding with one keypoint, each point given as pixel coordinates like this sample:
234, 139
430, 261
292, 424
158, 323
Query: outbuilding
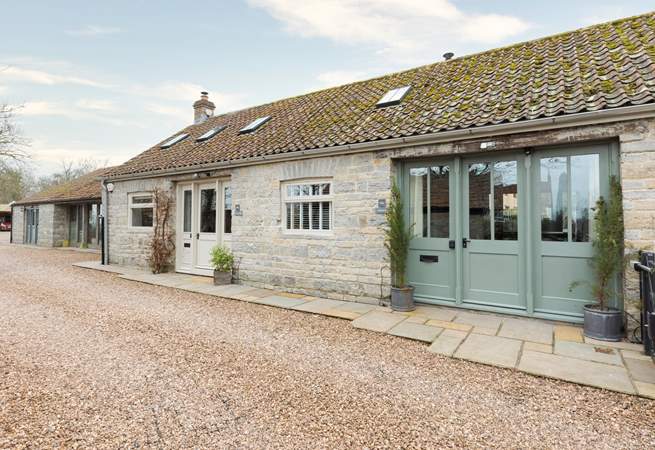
65, 215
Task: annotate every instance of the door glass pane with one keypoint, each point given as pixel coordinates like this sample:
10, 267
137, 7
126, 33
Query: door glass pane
479, 196
208, 210
585, 190
506, 203
227, 219
553, 192
188, 197
439, 202
418, 201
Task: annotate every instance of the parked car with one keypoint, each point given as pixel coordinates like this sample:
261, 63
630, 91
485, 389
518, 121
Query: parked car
5, 226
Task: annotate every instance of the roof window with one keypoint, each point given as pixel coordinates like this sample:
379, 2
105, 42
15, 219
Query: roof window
393, 97
254, 125
174, 140
211, 133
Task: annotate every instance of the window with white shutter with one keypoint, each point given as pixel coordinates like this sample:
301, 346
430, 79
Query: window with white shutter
307, 207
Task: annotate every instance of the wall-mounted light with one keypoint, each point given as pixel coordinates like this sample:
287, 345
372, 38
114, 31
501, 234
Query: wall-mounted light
237, 210
110, 187
381, 207
489, 145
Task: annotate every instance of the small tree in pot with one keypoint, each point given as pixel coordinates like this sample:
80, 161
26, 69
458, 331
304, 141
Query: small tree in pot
397, 237
601, 321
223, 261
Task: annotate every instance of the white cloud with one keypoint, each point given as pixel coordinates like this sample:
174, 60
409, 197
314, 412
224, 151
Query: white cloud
339, 77
73, 112
3, 89
183, 114
180, 91
403, 29
97, 105
42, 77
93, 31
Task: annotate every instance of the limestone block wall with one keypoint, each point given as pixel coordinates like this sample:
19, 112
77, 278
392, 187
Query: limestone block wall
127, 246
348, 263
18, 224
46, 225
59, 225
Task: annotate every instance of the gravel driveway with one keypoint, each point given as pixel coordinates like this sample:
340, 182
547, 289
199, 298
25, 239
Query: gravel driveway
87, 359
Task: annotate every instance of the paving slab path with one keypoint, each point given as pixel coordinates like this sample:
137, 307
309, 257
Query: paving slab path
88, 359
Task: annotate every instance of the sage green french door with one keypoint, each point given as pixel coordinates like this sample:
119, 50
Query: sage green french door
493, 210
567, 186
506, 232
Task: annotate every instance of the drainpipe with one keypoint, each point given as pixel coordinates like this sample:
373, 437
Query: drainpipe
105, 224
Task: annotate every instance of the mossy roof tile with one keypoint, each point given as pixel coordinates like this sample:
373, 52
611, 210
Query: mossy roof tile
605, 66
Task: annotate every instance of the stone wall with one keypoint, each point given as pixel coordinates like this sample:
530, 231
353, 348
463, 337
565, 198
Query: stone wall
59, 225
17, 224
46, 225
129, 246
347, 264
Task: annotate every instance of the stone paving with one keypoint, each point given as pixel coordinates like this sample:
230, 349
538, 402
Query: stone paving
533, 346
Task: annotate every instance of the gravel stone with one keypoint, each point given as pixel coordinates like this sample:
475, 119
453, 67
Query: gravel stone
91, 360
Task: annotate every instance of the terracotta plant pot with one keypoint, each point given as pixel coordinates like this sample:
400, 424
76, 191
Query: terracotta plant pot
222, 278
402, 299
604, 325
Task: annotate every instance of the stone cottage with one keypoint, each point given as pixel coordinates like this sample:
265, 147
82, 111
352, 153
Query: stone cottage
63, 215
500, 157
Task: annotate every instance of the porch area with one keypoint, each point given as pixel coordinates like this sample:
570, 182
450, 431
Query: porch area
538, 347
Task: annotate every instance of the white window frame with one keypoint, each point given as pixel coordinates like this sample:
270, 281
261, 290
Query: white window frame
287, 199
131, 206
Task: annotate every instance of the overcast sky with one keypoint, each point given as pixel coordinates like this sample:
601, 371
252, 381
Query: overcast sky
108, 79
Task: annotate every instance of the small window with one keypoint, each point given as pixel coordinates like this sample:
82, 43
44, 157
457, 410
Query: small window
393, 97
211, 133
141, 211
254, 125
308, 207
174, 140
227, 213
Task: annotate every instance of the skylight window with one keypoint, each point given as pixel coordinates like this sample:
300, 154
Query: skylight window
211, 133
174, 140
252, 126
393, 97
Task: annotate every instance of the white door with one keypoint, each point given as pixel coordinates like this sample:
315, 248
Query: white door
185, 234
199, 223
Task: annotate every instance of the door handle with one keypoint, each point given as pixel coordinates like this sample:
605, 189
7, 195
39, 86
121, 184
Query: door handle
197, 235
465, 242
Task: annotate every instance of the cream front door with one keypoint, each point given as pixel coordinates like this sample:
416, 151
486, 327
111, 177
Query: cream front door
199, 226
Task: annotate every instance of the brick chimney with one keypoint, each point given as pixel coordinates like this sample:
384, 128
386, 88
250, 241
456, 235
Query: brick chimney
203, 108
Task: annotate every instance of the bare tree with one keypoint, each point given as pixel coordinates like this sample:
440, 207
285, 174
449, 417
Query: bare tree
12, 144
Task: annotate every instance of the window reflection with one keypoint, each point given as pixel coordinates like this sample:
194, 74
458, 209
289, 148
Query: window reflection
554, 199
479, 196
418, 200
585, 190
439, 202
506, 203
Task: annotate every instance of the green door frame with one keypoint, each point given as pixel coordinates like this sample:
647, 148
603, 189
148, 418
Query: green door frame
529, 241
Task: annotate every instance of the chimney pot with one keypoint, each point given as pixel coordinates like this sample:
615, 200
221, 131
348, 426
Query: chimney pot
203, 109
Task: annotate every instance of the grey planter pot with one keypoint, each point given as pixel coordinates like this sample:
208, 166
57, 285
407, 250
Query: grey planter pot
603, 325
221, 278
402, 299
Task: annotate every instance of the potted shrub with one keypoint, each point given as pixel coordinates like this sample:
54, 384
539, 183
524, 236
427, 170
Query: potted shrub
223, 261
601, 321
397, 237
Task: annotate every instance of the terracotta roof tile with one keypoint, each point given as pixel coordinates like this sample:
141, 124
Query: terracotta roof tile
604, 66
86, 187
